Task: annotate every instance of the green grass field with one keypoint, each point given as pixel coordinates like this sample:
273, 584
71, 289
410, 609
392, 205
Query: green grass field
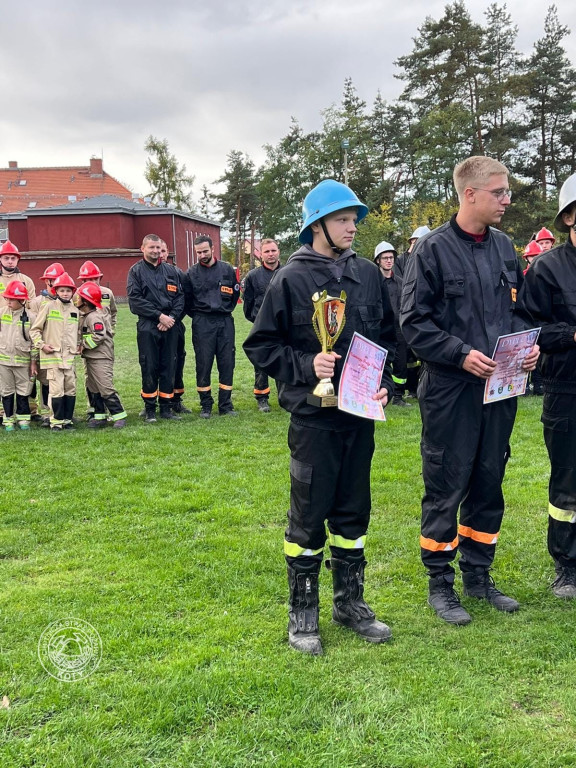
167, 538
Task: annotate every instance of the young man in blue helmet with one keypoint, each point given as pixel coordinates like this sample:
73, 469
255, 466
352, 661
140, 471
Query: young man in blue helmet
331, 451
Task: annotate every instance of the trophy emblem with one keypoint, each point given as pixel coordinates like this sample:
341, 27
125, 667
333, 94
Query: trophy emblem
328, 321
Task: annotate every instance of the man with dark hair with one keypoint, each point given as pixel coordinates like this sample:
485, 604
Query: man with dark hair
459, 295
550, 288
255, 285
212, 292
155, 295
177, 403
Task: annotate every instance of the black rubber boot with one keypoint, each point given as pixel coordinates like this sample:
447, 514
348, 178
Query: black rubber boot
478, 583
166, 412
303, 634
349, 608
445, 601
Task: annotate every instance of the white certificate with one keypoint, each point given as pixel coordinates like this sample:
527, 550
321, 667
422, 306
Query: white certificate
360, 379
509, 380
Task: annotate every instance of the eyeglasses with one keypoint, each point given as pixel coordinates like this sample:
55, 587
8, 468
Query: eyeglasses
391, 257
499, 194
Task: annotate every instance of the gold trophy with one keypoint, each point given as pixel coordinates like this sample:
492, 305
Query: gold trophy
328, 321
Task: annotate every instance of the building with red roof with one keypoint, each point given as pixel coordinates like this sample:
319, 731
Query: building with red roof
23, 189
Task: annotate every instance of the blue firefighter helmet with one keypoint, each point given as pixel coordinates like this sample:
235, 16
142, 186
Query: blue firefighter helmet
327, 197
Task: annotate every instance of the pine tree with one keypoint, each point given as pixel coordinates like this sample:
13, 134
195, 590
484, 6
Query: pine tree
551, 103
169, 182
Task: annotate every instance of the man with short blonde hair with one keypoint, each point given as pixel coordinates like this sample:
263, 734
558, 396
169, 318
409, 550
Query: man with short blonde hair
460, 293
476, 172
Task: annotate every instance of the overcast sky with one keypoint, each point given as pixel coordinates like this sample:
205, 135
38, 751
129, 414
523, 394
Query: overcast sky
96, 79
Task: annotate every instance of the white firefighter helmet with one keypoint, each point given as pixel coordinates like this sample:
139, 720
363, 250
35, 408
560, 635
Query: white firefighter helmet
567, 197
419, 232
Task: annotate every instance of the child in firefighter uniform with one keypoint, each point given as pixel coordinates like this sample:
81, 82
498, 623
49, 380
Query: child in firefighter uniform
55, 336
95, 341
39, 398
90, 272
17, 356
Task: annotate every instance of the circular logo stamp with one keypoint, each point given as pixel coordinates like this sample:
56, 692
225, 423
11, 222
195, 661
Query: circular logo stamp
70, 649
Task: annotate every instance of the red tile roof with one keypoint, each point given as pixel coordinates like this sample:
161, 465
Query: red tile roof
48, 187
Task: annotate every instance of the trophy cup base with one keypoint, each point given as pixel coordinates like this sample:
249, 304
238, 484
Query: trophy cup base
322, 401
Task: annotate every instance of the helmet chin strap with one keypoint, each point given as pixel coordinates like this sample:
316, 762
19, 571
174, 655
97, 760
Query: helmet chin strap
329, 240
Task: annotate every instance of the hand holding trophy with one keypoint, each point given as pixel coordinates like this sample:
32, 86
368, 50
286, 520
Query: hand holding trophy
328, 321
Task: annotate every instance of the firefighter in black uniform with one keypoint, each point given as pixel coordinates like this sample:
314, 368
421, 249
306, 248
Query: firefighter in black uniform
156, 296
212, 292
550, 287
331, 451
459, 294
255, 285
177, 402
384, 257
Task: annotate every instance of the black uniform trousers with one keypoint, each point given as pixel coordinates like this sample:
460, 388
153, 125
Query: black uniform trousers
400, 366
559, 420
213, 337
465, 447
180, 360
261, 385
157, 357
329, 481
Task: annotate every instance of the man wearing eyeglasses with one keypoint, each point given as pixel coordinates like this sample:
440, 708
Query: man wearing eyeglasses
460, 293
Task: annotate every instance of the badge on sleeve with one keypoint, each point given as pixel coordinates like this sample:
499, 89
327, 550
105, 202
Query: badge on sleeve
226, 289
98, 326
171, 288
514, 293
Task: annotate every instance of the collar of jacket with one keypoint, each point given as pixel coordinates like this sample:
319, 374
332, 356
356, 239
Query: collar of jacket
325, 268
151, 266
464, 235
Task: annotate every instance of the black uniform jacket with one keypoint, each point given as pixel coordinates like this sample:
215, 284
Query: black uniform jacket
460, 295
153, 291
211, 290
550, 294
282, 341
256, 284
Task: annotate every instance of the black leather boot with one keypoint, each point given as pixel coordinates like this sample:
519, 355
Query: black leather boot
478, 583
349, 608
303, 634
443, 598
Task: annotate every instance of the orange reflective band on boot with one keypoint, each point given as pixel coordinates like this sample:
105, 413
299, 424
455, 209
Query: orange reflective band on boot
148, 395
165, 395
483, 538
203, 389
438, 546
262, 391
178, 391
224, 386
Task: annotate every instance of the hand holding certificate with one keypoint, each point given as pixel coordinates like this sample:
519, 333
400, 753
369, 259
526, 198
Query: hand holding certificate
360, 379
510, 378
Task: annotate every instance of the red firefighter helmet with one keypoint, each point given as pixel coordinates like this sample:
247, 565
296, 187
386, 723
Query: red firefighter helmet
16, 290
89, 271
532, 249
545, 234
91, 292
9, 249
64, 281
53, 271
